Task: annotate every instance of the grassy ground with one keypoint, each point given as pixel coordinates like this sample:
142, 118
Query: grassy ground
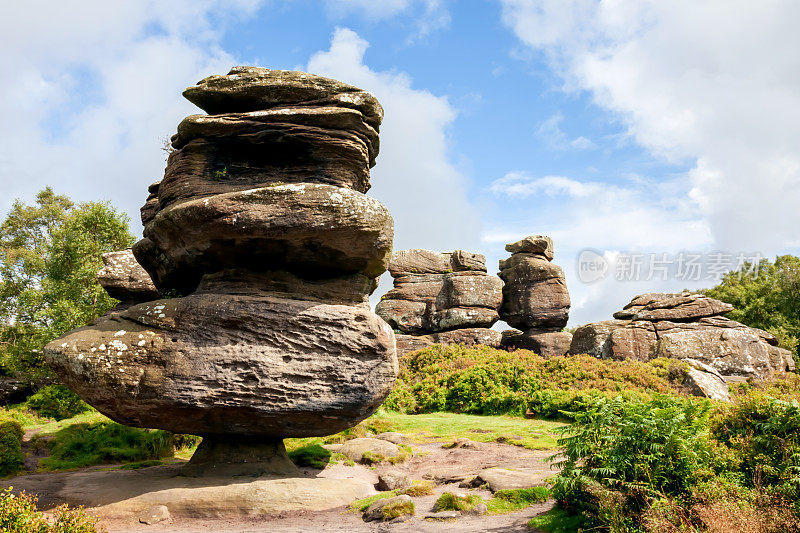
423, 428
445, 428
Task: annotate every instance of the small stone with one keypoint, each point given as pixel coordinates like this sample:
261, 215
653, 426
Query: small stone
391, 436
479, 509
505, 479
533, 244
442, 515
463, 442
153, 515
367, 450
393, 480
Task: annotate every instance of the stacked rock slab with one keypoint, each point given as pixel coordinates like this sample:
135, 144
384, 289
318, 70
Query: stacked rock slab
445, 298
689, 327
535, 298
262, 232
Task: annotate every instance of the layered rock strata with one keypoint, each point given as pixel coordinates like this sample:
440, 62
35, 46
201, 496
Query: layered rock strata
684, 326
262, 230
443, 298
535, 298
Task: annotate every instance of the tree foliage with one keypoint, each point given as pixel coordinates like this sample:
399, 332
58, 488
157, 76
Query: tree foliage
769, 299
49, 256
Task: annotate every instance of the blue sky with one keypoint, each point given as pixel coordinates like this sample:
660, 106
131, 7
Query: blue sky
622, 126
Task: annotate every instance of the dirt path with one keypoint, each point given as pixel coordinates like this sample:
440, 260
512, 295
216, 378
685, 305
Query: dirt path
446, 467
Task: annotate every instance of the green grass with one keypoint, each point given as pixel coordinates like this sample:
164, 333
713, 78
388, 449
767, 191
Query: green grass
508, 501
395, 509
312, 455
420, 488
443, 427
361, 505
83, 444
556, 521
451, 502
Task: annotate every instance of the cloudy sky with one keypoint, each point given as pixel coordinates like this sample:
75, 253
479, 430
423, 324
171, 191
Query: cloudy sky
635, 129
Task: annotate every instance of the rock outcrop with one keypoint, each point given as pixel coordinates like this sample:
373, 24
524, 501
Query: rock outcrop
535, 298
262, 229
124, 278
441, 298
684, 326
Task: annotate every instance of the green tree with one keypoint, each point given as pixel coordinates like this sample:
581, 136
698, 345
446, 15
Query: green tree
49, 255
768, 298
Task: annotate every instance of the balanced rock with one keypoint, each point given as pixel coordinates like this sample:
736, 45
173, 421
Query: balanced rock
445, 297
535, 297
684, 326
262, 227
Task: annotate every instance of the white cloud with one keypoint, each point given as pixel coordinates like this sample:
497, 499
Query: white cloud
550, 131
92, 88
414, 177
636, 216
713, 84
426, 16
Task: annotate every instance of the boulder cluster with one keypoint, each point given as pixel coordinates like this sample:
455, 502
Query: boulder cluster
264, 250
686, 326
445, 298
535, 298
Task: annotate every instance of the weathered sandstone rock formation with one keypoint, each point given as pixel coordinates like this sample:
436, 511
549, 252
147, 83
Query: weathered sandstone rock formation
443, 298
262, 230
535, 298
684, 326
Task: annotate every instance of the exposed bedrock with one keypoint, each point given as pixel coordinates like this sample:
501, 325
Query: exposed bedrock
684, 326
262, 233
438, 294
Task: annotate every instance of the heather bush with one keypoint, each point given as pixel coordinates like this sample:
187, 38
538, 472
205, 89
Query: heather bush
483, 380
18, 515
764, 435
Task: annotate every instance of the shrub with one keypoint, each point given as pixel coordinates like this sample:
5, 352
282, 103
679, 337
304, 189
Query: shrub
483, 380
619, 456
58, 402
764, 434
18, 515
82, 445
11, 458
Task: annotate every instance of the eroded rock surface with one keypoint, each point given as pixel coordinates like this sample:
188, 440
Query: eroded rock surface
441, 298
262, 234
124, 279
535, 297
684, 326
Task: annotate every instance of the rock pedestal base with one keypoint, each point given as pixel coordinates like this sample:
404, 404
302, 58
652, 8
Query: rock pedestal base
125, 494
229, 455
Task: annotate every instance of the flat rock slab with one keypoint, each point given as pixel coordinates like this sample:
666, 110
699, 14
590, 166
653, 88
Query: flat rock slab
122, 494
504, 479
